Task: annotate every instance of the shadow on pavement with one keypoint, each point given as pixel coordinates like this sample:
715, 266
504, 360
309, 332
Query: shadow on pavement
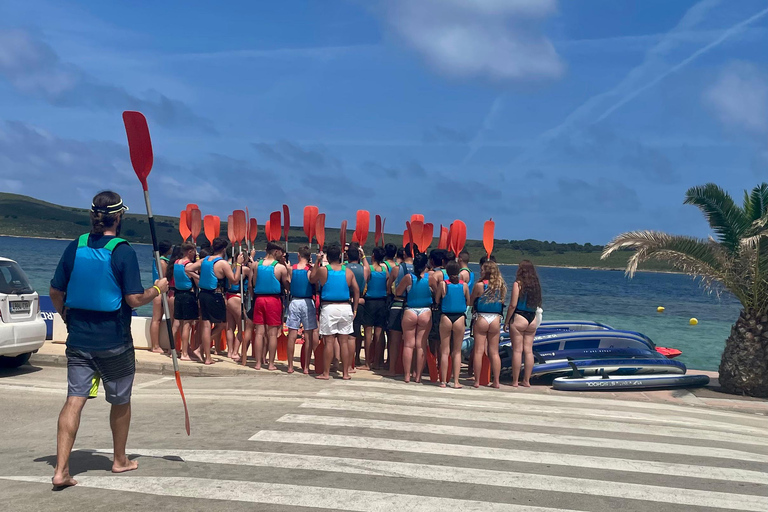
22, 370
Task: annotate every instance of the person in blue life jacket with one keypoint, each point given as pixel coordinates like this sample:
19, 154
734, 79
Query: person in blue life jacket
214, 271
185, 308
270, 279
358, 264
164, 248
453, 298
397, 306
522, 322
96, 286
374, 312
234, 311
302, 313
488, 297
339, 296
437, 275
417, 317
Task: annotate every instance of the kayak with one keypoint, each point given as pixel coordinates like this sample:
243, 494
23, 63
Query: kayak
629, 382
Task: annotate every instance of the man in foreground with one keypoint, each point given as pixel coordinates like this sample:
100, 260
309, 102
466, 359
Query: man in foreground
96, 285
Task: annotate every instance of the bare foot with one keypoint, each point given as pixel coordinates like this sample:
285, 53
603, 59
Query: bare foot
442, 384
526, 384
196, 355
495, 385
347, 377
365, 367
352, 370
417, 380
322, 377
271, 367
257, 367
128, 465
158, 350
476, 385
290, 370
208, 362
456, 385
185, 358
62, 481
514, 385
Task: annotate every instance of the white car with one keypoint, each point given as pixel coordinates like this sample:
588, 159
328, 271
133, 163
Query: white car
22, 331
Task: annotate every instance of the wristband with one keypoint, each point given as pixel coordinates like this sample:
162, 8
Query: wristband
239, 264
159, 293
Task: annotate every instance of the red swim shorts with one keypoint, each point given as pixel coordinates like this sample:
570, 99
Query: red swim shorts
268, 310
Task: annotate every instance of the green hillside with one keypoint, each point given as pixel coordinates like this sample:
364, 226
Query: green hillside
25, 216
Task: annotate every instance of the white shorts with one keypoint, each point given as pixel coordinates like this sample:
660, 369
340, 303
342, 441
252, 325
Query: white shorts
336, 319
302, 313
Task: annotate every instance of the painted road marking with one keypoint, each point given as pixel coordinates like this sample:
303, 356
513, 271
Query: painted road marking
152, 383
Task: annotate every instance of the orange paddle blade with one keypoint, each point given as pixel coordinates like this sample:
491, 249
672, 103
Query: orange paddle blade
310, 217
208, 228
362, 226
195, 224
184, 226
450, 238
488, 229
190, 207
274, 226
267, 230
411, 240
426, 236
343, 234
320, 229
377, 235
231, 229
416, 217
354, 238
253, 230
239, 218
286, 221
417, 230
139, 144
184, 401
216, 226
459, 236
443, 242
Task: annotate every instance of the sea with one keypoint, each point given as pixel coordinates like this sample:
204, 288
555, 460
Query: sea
568, 294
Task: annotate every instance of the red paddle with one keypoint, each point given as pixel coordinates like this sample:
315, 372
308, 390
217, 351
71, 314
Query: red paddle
267, 231
208, 228
450, 238
459, 236
140, 147
310, 217
231, 229
274, 227
241, 226
184, 226
191, 207
354, 238
343, 234
416, 217
253, 230
286, 224
320, 230
362, 226
411, 240
488, 229
377, 236
427, 235
216, 226
195, 224
417, 229
443, 242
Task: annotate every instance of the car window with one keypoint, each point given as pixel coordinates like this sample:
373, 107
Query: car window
13, 279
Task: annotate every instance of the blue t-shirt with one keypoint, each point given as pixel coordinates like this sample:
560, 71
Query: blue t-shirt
96, 330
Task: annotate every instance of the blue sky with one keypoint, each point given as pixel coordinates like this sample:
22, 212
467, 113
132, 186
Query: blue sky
563, 120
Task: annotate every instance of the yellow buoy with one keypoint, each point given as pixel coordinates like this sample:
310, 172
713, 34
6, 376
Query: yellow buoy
693, 321
660, 309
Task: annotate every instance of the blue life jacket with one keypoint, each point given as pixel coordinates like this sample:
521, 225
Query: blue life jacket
420, 294
405, 268
335, 288
181, 281
472, 280
485, 306
359, 271
155, 273
92, 285
266, 282
454, 300
301, 288
208, 279
377, 284
235, 287
522, 304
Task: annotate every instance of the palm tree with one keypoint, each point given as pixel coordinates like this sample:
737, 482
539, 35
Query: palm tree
737, 259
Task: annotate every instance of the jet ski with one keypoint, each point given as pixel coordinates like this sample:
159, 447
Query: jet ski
629, 382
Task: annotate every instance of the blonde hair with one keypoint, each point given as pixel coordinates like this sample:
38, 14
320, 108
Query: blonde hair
497, 287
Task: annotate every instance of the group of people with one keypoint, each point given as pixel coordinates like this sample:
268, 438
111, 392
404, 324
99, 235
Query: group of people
394, 307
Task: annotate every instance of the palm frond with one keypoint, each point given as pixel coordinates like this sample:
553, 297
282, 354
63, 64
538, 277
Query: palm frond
725, 218
758, 201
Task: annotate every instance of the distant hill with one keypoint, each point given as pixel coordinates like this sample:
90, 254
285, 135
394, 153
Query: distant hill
25, 216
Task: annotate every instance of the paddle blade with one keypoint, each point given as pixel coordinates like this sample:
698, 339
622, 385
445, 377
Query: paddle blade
426, 236
443, 241
377, 236
411, 240
253, 230
231, 229
308, 224
247, 224
488, 229
208, 228
320, 229
450, 238
183, 225
139, 144
362, 226
195, 224
239, 218
417, 230
274, 226
216, 226
267, 230
416, 217
286, 221
383, 223
354, 238
343, 234
190, 207
459, 236
184, 401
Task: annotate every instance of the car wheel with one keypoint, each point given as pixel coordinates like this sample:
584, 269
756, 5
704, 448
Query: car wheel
14, 362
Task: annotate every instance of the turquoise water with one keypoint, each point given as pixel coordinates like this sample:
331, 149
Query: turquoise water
605, 296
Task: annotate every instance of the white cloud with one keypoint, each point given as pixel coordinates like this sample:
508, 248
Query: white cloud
739, 97
495, 39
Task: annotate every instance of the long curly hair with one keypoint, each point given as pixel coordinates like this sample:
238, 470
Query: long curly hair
528, 280
497, 287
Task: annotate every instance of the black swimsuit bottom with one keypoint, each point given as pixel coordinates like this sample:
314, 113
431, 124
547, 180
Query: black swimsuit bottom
454, 316
528, 315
